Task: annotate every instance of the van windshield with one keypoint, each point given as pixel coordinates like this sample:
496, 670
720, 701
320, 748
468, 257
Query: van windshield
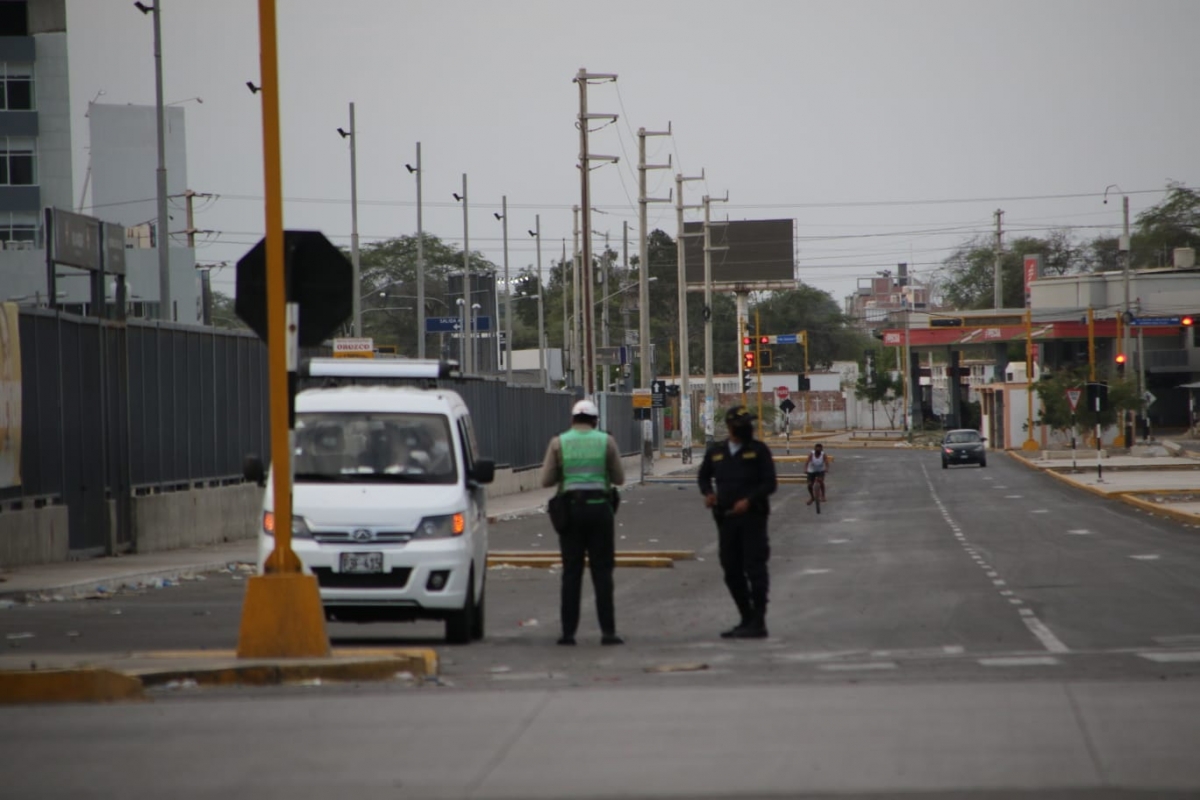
387, 448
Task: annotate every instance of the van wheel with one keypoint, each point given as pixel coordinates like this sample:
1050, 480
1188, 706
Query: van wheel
458, 623
479, 616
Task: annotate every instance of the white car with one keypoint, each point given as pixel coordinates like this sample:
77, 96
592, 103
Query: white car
389, 506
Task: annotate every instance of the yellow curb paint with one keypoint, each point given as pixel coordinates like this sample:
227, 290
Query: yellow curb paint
68, 686
1185, 517
269, 674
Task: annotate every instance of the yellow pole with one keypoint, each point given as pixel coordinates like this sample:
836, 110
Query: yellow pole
1030, 443
282, 616
807, 421
1091, 322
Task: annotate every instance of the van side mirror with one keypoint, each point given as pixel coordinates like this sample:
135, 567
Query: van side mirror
484, 471
253, 470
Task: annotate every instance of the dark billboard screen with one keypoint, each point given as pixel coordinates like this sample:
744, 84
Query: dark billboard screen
760, 250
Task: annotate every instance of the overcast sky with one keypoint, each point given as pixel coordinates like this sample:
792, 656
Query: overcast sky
875, 125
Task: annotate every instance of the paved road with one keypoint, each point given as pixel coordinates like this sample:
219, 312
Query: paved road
949, 630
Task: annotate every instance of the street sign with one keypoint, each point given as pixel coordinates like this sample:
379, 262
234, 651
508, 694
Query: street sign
443, 324
608, 356
658, 393
354, 348
1073, 396
787, 406
1155, 321
76, 240
1149, 398
782, 393
316, 276
642, 398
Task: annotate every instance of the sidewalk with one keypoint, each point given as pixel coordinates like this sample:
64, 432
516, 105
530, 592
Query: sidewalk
1166, 486
75, 579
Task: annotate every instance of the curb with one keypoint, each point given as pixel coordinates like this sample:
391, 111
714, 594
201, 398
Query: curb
101, 685
76, 589
68, 686
1185, 517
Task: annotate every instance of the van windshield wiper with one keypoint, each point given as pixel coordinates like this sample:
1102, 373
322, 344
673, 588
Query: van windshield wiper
321, 477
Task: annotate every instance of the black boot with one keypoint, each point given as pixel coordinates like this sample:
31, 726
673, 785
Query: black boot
747, 613
756, 628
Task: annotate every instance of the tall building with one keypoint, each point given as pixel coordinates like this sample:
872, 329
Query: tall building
35, 137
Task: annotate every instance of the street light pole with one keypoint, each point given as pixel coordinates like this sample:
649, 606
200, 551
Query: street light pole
508, 331
537, 234
420, 261
1123, 247
467, 330
163, 233
357, 296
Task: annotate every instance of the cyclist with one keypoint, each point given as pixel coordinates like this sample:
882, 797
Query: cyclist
815, 469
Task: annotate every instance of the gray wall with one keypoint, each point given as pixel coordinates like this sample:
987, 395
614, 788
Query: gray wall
52, 89
174, 520
124, 159
33, 536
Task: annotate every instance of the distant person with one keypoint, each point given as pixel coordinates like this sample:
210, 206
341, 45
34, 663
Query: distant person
744, 475
585, 464
815, 470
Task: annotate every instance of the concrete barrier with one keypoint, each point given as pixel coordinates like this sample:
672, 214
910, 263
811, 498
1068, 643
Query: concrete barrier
509, 481
34, 536
174, 520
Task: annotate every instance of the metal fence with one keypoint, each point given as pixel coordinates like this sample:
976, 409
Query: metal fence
111, 409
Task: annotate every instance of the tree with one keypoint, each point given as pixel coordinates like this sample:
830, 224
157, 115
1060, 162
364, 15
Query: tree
223, 313
967, 278
1175, 222
883, 388
1056, 412
807, 308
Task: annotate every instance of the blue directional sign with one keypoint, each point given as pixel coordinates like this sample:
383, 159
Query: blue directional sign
1156, 321
786, 338
442, 324
454, 324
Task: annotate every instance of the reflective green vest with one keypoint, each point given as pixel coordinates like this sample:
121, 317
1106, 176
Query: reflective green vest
584, 460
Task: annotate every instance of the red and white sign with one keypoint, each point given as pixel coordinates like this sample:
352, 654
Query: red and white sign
891, 337
1033, 269
782, 393
1073, 396
354, 348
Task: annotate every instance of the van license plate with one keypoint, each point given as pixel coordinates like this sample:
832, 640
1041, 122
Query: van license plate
362, 562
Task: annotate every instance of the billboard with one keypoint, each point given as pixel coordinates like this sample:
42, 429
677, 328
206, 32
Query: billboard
76, 240
10, 397
1033, 271
759, 251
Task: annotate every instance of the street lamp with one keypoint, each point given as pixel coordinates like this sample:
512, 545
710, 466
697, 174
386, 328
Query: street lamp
357, 296
475, 308
420, 258
536, 233
164, 257
466, 287
503, 218
1123, 247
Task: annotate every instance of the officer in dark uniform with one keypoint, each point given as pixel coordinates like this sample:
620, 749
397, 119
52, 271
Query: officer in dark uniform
744, 473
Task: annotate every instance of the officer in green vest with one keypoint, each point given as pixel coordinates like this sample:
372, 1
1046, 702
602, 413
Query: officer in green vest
585, 464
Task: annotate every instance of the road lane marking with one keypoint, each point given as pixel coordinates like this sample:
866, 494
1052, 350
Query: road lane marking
839, 541
1177, 641
1166, 658
999, 582
1080, 532
1045, 635
1146, 557
1014, 496
870, 665
811, 571
1040, 511
1020, 661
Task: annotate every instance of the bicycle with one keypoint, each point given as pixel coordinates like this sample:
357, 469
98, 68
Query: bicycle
818, 483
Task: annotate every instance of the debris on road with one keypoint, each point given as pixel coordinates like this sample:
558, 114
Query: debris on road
662, 668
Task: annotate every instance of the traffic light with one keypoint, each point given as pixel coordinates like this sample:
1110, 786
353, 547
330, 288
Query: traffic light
945, 322
749, 362
747, 342
1187, 322
804, 384
1120, 365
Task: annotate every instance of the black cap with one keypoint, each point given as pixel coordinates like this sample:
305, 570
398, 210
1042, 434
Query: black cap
738, 415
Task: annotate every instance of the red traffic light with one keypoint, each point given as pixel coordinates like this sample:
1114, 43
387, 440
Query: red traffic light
1187, 322
764, 340
748, 360
1120, 358
747, 341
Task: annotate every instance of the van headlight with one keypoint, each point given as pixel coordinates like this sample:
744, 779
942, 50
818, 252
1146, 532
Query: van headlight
442, 527
300, 529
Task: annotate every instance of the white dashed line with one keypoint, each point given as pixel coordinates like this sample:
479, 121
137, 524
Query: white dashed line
1014, 496
1020, 661
814, 571
1040, 511
838, 541
1045, 635
1016, 601
870, 665
1080, 532
1164, 658
999, 582
1146, 557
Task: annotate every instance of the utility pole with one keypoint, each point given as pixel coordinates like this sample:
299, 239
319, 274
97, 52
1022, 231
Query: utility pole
468, 332
537, 234
997, 276
605, 271
583, 77
190, 231
576, 293
420, 260
508, 332
566, 318
357, 296
165, 303
709, 399
685, 397
647, 373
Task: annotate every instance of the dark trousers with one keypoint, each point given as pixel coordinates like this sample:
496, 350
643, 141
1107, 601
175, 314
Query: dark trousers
590, 533
745, 550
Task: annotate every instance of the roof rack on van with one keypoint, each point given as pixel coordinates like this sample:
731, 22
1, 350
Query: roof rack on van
396, 369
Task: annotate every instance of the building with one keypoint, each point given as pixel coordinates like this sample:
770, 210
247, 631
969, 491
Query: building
878, 297
35, 138
123, 165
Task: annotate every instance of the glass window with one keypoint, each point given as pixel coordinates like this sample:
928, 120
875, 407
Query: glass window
962, 437
16, 87
18, 162
387, 448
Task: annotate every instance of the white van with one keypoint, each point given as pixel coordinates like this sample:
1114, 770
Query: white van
389, 507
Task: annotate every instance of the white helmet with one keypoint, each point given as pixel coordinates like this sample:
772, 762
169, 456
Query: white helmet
585, 408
